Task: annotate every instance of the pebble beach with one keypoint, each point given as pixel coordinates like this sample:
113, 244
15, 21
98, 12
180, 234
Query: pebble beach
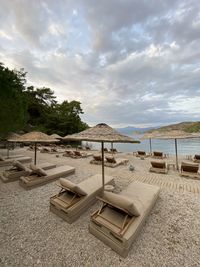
33, 236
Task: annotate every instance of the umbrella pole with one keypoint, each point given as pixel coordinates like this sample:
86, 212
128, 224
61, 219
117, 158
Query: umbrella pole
176, 155
35, 153
102, 155
150, 145
7, 150
112, 147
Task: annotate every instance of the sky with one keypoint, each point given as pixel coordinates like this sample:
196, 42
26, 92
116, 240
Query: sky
129, 62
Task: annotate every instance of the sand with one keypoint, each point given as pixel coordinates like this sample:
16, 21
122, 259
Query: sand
32, 236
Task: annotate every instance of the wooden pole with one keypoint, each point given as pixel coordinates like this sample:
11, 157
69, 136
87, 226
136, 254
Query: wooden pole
7, 150
177, 167
102, 155
35, 159
150, 145
112, 147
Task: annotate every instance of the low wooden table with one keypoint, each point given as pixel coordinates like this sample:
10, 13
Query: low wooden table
173, 165
109, 188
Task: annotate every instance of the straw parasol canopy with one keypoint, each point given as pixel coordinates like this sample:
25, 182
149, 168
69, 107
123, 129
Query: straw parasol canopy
177, 134
34, 137
13, 136
101, 133
56, 136
150, 136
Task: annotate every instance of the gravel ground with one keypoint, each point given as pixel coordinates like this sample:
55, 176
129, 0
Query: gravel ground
32, 236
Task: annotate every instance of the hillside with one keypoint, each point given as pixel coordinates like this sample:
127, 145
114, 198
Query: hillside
191, 127
131, 129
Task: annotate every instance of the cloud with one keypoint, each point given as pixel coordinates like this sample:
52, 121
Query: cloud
128, 62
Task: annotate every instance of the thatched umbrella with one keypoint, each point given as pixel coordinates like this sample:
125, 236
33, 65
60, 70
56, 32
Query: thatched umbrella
176, 134
10, 136
34, 137
150, 136
56, 136
101, 133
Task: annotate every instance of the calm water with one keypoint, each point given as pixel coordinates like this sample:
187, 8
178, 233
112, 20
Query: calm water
185, 146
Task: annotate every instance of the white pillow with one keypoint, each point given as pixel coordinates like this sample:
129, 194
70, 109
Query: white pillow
71, 186
121, 202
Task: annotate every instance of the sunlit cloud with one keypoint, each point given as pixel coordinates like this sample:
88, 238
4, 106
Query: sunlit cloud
138, 66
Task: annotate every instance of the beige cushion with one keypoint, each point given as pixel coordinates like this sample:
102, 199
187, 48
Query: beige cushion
73, 187
121, 202
19, 165
37, 170
1, 158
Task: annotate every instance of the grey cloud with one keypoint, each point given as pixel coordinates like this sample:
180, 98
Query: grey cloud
126, 61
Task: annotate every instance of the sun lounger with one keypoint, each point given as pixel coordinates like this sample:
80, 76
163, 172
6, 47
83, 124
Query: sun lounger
31, 148
141, 153
68, 153
196, 158
114, 162
78, 154
10, 157
8, 162
18, 170
97, 159
158, 155
190, 170
158, 167
121, 217
113, 150
56, 151
105, 149
40, 177
45, 150
73, 200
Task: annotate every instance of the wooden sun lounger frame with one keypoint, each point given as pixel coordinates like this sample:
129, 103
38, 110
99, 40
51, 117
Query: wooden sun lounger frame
128, 218
76, 197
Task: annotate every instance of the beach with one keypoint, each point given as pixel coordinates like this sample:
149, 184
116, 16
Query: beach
33, 236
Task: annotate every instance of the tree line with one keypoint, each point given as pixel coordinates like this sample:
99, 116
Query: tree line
26, 108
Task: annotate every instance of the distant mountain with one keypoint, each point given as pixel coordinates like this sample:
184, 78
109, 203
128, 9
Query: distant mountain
187, 126
183, 126
131, 130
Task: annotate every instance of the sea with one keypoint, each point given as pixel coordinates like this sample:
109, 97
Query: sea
185, 146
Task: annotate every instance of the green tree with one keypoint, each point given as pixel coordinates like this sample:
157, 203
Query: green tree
65, 118
39, 104
12, 102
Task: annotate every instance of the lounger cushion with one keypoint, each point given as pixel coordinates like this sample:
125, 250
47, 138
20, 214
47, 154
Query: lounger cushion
121, 202
19, 165
37, 170
73, 187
